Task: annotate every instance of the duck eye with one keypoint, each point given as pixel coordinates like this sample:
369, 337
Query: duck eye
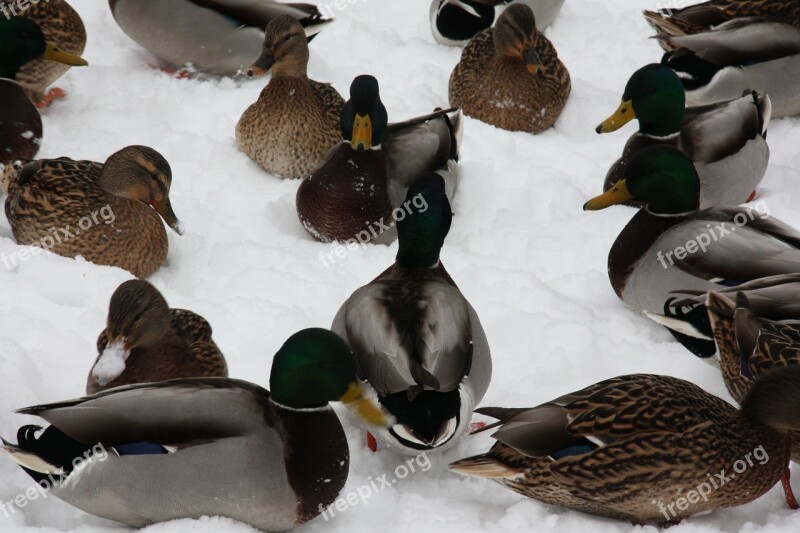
287, 38
137, 317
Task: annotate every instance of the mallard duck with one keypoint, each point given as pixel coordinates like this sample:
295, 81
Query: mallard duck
60, 24
218, 37
359, 190
750, 346
146, 341
295, 120
455, 22
670, 245
22, 42
726, 141
645, 448
745, 54
188, 448
510, 76
708, 15
99, 211
419, 343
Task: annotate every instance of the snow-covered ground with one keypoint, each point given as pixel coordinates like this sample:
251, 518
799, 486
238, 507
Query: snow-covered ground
528, 258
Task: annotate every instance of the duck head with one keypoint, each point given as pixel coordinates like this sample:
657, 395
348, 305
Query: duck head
315, 367
661, 177
515, 36
22, 41
364, 117
141, 173
655, 96
285, 49
138, 317
422, 232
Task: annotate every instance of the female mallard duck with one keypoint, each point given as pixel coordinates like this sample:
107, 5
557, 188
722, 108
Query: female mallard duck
750, 346
419, 343
21, 43
295, 120
706, 16
671, 245
746, 54
725, 141
55, 203
645, 448
146, 341
510, 76
60, 24
455, 22
273, 460
359, 191
219, 37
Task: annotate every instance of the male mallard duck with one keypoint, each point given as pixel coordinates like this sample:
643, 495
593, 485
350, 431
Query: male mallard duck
295, 120
146, 341
219, 37
358, 192
645, 448
99, 211
670, 245
510, 76
206, 446
22, 42
708, 15
60, 24
746, 54
455, 22
419, 343
725, 141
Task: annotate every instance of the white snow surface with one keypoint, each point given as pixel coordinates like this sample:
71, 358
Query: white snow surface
111, 363
527, 257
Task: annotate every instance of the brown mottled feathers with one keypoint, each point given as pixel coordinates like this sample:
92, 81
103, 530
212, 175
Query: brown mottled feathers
57, 203
191, 353
61, 24
500, 90
654, 437
291, 126
703, 17
750, 347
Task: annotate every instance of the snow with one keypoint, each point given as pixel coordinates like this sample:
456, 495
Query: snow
531, 262
111, 364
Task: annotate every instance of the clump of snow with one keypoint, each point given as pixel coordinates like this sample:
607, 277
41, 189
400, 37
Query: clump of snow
530, 261
111, 363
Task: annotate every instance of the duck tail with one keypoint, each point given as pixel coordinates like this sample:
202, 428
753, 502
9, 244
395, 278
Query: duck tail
46, 454
774, 400
665, 26
483, 466
314, 22
455, 123
764, 106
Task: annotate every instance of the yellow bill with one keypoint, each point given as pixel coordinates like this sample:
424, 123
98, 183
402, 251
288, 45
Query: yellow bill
362, 133
617, 194
356, 399
621, 116
54, 53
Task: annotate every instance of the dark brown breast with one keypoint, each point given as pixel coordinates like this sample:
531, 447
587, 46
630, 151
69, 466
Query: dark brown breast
346, 196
